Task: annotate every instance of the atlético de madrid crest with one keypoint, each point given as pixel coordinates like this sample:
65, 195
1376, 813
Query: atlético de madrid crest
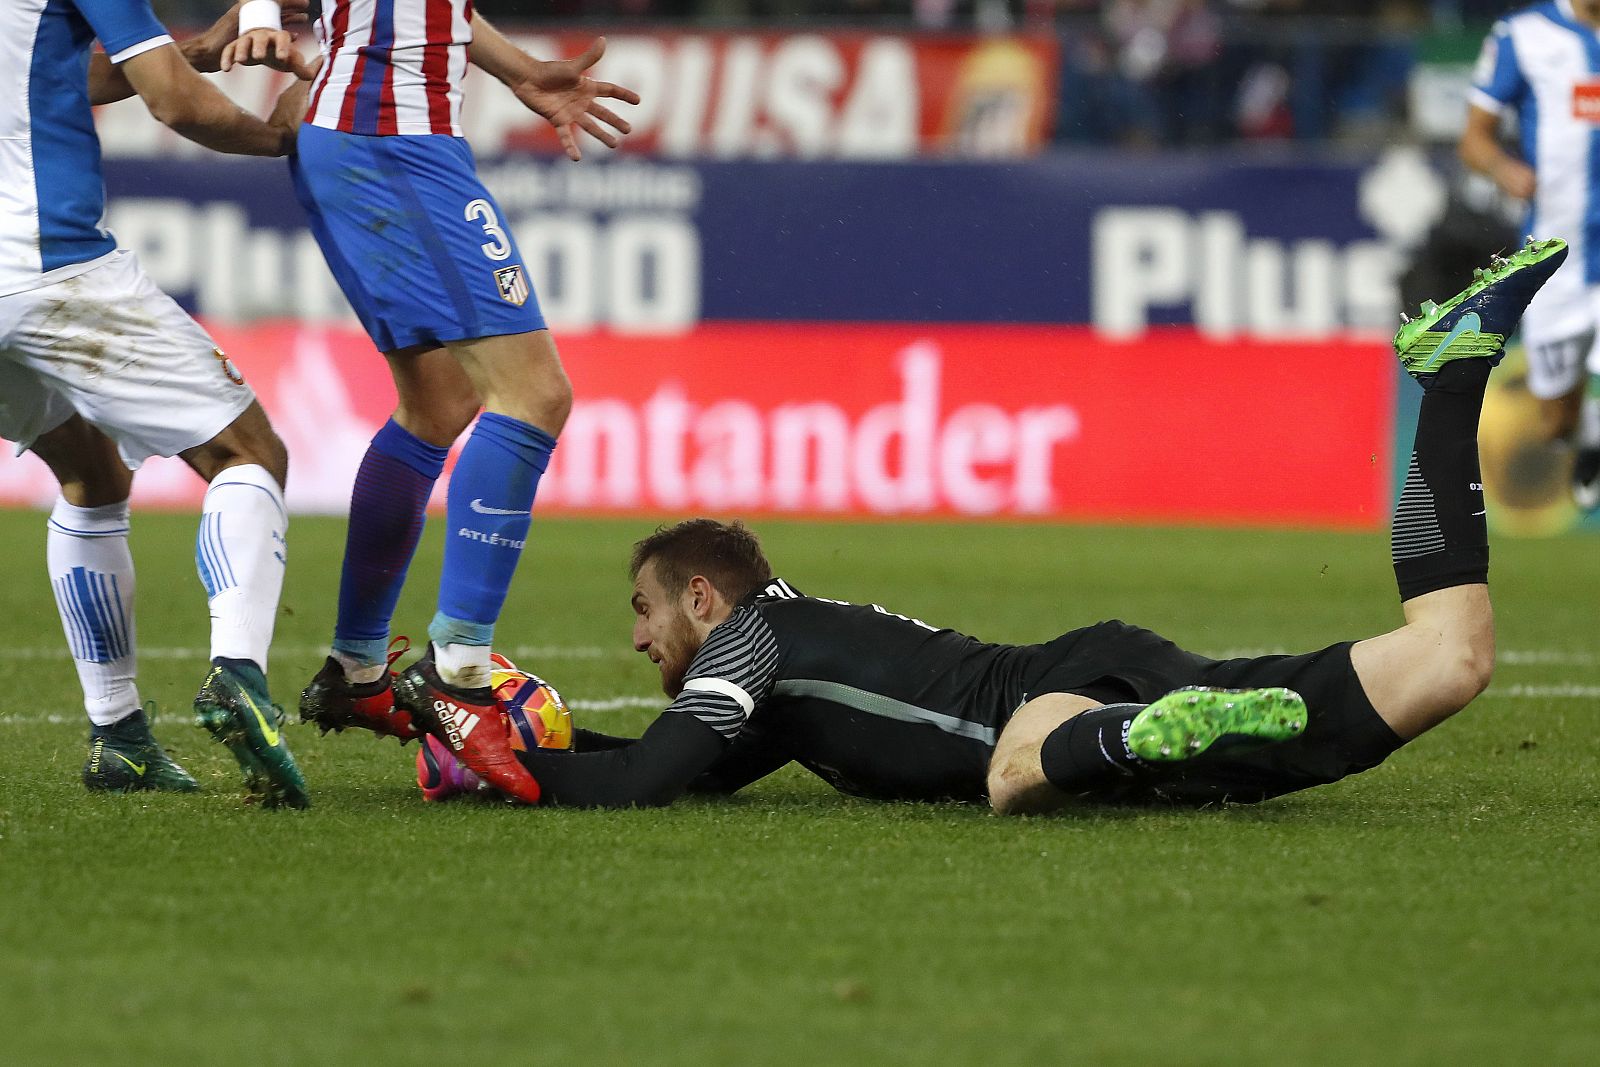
513, 284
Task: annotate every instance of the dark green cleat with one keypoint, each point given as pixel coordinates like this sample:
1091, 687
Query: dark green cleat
125, 757
1475, 323
234, 706
1185, 723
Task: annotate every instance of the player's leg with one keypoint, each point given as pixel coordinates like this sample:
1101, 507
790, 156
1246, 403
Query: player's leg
240, 553
382, 244
388, 504
1414, 677
1018, 784
1586, 439
1443, 657
388, 508
526, 399
1555, 381
1563, 374
138, 368
242, 547
1060, 747
91, 571
399, 216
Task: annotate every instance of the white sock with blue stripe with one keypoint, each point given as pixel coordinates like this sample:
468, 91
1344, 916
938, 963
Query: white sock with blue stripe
240, 554
91, 571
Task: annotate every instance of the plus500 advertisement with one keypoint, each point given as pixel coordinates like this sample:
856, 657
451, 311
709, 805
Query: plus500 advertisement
1040, 339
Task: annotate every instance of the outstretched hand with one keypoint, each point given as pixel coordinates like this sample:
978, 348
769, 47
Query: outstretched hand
207, 49
268, 48
569, 100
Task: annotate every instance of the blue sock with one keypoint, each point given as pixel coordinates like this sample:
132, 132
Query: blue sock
490, 510
387, 510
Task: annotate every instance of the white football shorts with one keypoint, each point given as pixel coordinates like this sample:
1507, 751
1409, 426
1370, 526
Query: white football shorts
110, 346
1559, 333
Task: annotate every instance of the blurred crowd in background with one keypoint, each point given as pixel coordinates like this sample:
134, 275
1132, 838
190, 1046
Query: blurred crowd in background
1134, 72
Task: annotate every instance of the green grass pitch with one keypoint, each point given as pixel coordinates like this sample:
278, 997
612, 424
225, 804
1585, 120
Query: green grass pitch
1441, 909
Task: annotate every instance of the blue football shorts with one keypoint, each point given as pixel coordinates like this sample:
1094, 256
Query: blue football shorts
413, 238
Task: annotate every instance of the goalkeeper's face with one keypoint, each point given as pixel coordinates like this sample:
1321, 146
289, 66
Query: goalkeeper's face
664, 629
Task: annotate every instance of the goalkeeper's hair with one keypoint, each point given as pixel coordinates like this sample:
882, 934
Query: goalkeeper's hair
728, 555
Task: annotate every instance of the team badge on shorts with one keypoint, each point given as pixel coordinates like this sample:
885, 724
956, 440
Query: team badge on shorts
227, 366
513, 284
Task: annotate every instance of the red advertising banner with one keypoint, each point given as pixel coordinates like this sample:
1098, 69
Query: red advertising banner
976, 422
727, 95
808, 95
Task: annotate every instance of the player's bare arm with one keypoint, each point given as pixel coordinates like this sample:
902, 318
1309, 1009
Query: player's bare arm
558, 90
290, 107
188, 104
1480, 149
108, 84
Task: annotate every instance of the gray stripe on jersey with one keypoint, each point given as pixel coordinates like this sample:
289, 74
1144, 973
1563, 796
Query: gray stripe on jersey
740, 651
887, 707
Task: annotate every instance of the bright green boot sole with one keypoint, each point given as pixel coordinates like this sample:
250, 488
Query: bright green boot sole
1185, 723
1475, 323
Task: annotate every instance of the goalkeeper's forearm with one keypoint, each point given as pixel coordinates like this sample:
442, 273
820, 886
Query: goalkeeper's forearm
650, 772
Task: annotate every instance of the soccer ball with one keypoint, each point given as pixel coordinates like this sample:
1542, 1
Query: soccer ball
537, 715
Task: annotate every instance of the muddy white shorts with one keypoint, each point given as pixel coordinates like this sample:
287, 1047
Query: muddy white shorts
110, 346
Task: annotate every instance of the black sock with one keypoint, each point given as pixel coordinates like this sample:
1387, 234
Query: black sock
247, 667
133, 724
1439, 537
1090, 750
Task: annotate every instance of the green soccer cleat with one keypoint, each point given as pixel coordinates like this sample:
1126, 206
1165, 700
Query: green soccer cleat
234, 706
126, 758
1475, 323
1185, 723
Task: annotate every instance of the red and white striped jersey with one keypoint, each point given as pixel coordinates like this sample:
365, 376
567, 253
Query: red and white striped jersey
391, 66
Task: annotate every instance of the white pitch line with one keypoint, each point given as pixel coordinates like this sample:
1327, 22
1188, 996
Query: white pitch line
1548, 657
1542, 657
1545, 657
655, 703
619, 703
1548, 692
529, 652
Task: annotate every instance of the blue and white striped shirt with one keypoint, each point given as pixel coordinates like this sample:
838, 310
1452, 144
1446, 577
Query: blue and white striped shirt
52, 197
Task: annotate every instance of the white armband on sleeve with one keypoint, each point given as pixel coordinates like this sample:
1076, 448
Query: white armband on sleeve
1484, 102
140, 49
260, 15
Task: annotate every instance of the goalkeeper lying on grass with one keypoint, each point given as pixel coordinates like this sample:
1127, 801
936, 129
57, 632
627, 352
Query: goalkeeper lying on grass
880, 705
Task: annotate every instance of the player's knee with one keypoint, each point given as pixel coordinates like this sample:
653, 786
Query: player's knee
1466, 669
1477, 671
441, 420
97, 485
1008, 788
266, 449
1004, 801
86, 464
548, 401
278, 466
250, 439
560, 400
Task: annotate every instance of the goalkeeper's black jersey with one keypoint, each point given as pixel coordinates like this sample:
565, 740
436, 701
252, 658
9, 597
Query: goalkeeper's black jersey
876, 704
